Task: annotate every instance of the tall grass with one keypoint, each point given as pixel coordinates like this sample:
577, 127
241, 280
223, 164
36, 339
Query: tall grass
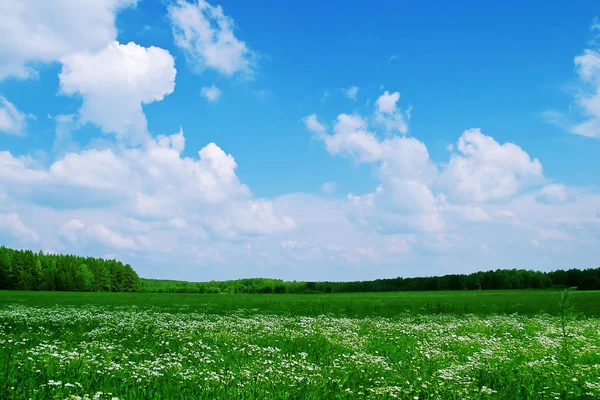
61, 346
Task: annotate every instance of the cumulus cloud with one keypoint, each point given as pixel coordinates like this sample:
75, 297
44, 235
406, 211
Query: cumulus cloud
211, 93
12, 121
206, 36
403, 202
389, 115
350, 138
415, 194
486, 170
115, 82
398, 206
34, 32
151, 182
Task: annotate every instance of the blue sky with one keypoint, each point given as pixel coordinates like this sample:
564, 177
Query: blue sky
203, 140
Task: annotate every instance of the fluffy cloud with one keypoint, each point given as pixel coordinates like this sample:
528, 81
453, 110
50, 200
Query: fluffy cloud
350, 138
403, 202
76, 231
154, 182
115, 82
587, 99
386, 103
12, 121
416, 195
206, 36
398, 206
211, 93
21, 170
34, 32
486, 170
389, 115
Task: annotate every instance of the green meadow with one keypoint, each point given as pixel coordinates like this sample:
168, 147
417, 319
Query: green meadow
533, 344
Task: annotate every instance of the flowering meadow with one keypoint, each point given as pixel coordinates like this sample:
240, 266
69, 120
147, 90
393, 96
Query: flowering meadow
107, 351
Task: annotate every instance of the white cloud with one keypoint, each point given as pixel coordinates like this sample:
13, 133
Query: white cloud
588, 68
115, 82
417, 196
312, 124
71, 230
398, 206
21, 170
486, 170
350, 138
553, 194
212, 93
12, 121
11, 222
34, 32
468, 212
389, 115
249, 218
403, 202
153, 182
206, 36
110, 238
351, 92
386, 103
585, 120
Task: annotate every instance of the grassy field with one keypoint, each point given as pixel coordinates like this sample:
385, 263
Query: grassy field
427, 345
339, 304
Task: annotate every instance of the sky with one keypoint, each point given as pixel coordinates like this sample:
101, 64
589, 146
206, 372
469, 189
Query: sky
204, 140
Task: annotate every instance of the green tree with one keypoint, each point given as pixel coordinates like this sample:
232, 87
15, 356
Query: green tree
84, 279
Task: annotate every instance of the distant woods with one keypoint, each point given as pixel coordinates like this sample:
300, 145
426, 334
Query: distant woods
588, 279
26, 270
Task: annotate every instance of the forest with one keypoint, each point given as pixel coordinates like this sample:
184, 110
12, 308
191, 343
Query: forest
27, 270
499, 279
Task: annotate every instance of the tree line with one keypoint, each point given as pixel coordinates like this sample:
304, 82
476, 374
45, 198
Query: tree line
26, 270
500, 279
